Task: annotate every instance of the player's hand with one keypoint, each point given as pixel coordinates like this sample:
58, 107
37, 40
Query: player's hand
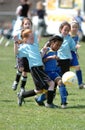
78, 46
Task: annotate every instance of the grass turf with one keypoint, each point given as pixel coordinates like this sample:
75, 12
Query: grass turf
31, 116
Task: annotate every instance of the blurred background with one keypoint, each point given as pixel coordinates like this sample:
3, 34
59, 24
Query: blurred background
57, 11
8, 8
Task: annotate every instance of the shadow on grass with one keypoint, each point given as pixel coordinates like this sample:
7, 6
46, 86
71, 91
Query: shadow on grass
6, 100
77, 106
14, 100
68, 107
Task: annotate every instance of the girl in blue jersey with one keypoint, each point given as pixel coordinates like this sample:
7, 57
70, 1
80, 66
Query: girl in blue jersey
74, 61
51, 68
41, 80
68, 45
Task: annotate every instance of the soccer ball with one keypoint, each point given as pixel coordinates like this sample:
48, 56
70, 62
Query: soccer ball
69, 78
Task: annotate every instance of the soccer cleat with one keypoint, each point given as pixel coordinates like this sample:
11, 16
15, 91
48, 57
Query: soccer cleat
20, 99
40, 103
63, 106
16, 66
22, 90
51, 105
14, 86
81, 86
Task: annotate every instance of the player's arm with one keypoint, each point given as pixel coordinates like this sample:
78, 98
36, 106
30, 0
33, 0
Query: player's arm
16, 45
50, 58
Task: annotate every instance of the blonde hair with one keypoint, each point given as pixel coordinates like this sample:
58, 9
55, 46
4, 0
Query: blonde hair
39, 5
74, 22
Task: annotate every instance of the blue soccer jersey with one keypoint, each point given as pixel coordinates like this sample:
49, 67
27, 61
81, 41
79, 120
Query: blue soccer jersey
51, 67
75, 38
74, 61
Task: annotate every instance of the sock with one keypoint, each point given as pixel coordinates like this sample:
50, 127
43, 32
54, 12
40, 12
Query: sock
41, 98
18, 75
50, 97
63, 94
79, 76
23, 82
29, 93
55, 90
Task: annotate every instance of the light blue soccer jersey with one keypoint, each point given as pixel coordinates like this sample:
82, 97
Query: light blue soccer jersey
67, 46
32, 52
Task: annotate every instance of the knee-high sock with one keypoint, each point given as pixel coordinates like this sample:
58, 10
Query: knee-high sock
63, 94
79, 76
50, 95
29, 93
23, 81
18, 76
41, 98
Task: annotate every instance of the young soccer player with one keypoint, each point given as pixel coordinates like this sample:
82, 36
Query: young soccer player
51, 68
23, 65
41, 79
74, 61
68, 45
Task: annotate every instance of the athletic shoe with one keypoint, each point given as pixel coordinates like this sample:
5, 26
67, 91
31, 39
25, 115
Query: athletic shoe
22, 90
81, 86
14, 86
51, 105
20, 99
40, 103
16, 66
63, 106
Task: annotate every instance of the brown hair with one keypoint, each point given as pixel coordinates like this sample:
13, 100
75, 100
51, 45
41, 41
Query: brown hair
64, 24
26, 19
24, 35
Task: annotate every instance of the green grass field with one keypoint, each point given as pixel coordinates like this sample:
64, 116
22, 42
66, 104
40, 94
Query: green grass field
31, 116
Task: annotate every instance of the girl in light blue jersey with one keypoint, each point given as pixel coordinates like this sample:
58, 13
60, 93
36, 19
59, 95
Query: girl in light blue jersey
41, 80
22, 63
74, 61
64, 53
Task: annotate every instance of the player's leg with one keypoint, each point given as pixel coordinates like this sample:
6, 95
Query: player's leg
17, 79
79, 77
63, 93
